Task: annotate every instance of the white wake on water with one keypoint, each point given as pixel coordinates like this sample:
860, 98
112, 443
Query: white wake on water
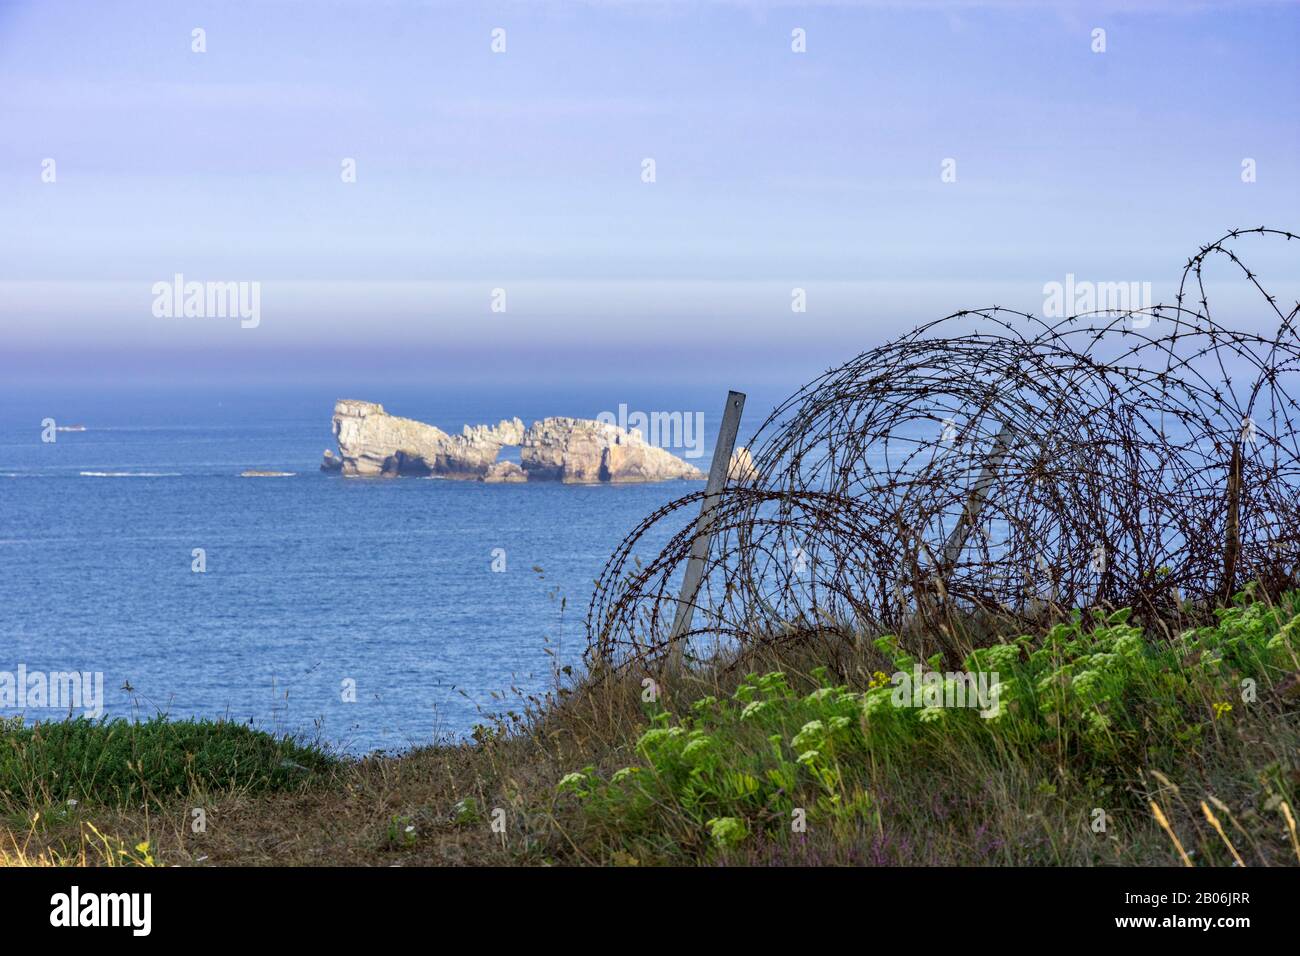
130, 474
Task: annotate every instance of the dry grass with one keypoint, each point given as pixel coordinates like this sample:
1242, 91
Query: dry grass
953, 807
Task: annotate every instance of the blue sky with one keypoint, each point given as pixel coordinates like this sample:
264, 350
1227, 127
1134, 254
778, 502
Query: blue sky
522, 171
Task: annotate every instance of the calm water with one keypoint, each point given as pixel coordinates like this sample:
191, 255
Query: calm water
311, 580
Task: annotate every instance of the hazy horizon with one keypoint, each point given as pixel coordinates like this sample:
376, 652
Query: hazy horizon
521, 171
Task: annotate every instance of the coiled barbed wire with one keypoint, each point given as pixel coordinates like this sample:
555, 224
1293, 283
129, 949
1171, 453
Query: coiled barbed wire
992, 463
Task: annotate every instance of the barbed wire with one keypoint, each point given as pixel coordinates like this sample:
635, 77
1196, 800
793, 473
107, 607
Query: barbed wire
991, 464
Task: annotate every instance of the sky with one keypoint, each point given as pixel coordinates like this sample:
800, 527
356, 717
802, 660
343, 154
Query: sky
500, 224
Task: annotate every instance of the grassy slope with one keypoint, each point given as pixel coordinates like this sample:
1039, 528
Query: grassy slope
1095, 716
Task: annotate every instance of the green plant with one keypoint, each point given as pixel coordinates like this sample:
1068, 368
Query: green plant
465, 812
401, 832
123, 763
1094, 694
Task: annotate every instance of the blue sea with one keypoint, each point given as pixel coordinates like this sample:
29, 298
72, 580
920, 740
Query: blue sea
315, 585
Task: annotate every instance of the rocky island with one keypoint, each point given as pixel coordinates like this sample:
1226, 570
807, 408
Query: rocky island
373, 443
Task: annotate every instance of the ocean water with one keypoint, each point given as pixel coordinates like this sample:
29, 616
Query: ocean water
312, 580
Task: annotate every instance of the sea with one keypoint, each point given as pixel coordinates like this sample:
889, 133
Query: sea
364, 614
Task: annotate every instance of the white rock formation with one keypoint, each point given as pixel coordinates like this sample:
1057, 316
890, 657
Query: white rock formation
372, 443
572, 450
741, 470
581, 451
504, 471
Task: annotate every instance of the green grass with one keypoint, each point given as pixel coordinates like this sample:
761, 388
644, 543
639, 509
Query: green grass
1111, 744
1082, 710
120, 763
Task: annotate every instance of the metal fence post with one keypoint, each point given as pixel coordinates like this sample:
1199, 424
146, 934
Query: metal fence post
718, 470
975, 500
1232, 537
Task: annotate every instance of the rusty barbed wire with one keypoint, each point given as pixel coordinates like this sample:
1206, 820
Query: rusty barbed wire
992, 464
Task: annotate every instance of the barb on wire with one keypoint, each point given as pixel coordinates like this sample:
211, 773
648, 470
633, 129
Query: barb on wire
993, 463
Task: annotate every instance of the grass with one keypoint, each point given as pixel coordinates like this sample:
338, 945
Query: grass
122, 763
1110, 744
